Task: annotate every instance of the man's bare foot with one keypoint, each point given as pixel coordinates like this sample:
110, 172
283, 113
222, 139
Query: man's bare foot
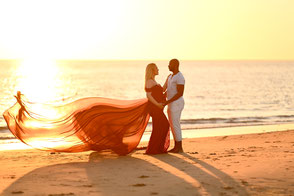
177, 148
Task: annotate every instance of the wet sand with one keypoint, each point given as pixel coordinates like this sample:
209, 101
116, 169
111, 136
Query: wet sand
250, 164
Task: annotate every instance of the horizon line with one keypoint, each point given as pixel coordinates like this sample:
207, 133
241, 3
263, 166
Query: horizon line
94, 59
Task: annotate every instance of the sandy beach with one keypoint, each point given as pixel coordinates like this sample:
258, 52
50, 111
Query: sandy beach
248, 164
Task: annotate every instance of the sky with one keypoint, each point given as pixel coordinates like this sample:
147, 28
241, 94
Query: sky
147, 29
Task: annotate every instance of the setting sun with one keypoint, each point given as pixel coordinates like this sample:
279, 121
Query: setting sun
37, 79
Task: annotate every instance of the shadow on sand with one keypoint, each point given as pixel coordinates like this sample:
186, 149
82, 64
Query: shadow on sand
108, 174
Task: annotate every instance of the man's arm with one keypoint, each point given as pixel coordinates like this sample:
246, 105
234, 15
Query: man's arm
180, 89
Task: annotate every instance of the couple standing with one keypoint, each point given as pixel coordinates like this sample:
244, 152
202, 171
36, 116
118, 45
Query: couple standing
170, 94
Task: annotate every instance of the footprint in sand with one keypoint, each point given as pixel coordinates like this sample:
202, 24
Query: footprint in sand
193, 152
276, 141
143, 176
139, 185
10, 176
232, 151
274, 146
87, 185
61, 194
17, 192
223, 137
227, 187
245, 182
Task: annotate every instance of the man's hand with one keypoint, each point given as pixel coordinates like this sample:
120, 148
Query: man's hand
165, 94
180, 93
165, 103
161, 105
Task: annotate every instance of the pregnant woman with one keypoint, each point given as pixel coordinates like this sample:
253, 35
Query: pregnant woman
159, 140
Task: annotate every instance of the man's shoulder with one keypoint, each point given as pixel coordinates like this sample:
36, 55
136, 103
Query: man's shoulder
180, 75
180, 78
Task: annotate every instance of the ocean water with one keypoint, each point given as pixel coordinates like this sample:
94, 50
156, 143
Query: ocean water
217, 93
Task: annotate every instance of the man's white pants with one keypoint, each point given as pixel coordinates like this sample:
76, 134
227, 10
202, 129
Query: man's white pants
174, 112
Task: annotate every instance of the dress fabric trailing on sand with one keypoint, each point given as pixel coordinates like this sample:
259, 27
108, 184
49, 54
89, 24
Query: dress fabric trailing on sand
86, 124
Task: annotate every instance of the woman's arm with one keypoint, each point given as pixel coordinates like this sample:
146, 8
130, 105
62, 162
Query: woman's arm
152, 100
165, 84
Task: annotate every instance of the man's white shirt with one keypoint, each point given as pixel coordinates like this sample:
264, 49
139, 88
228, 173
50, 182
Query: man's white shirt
172, 83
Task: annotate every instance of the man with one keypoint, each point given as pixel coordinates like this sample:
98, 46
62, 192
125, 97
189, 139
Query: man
174, 86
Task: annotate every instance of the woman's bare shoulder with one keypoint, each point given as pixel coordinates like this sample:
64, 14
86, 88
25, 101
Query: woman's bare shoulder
150, 83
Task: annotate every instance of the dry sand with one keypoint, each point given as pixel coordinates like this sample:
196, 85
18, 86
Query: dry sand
252, 164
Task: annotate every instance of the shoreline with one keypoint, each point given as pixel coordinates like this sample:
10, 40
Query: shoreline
15, 144
228, 131
248, 164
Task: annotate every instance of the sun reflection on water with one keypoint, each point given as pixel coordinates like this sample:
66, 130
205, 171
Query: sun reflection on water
39, 80
42, 82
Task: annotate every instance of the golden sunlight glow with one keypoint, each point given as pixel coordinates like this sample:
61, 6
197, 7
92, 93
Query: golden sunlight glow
45, 143
38, 79
40, 143
17, 145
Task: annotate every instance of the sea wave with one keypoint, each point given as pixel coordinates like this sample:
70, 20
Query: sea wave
203, 123
7, 138
238, 120
2, 128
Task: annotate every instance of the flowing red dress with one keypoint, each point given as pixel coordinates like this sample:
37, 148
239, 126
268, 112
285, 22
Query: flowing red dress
159, 139
86, 124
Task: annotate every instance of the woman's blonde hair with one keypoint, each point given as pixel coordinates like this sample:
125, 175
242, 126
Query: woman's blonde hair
149, 73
